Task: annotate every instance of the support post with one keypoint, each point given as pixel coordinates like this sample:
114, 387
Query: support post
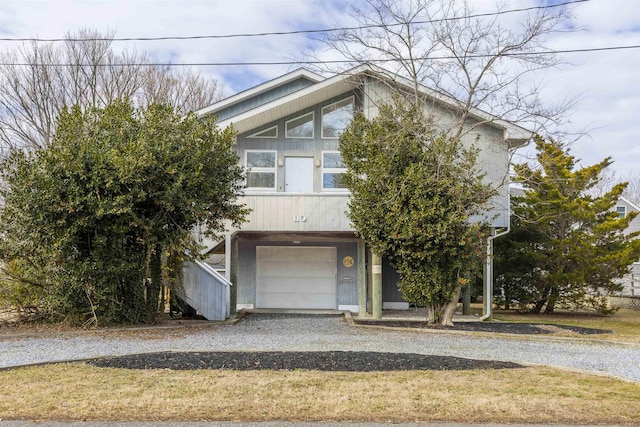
376, 270
362, 280
369, 283
487, 295
233, 277
466, 299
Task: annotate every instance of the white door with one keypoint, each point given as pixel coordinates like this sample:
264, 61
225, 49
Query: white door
296, 277
298, 174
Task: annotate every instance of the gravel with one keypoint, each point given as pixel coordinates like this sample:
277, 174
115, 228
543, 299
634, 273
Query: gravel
277, 333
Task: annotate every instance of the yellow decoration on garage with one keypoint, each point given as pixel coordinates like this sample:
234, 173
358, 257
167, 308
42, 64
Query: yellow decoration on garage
347, 261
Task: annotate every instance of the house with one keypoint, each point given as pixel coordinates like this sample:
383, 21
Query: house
623, 206
297, 249
631, 281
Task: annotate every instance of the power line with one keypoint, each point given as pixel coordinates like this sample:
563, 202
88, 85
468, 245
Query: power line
284, 33
314, 62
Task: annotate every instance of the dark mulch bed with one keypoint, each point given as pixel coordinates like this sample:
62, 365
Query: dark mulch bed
291, 360
494, 327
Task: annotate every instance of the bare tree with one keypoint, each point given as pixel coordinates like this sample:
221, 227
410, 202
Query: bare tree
632, 192
183, 89
484, 64
478, 60
38, 79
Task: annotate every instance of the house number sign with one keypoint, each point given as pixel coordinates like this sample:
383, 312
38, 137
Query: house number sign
299, 218
347, 261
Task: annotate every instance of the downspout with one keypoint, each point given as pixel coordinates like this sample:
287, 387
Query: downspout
488, 291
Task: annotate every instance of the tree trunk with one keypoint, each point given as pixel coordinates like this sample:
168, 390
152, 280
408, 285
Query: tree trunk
543, 300
538, 307
551, 305
443, 313
450, 308
432, 317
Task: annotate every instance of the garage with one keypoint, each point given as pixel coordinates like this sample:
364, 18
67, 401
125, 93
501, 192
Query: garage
296, 277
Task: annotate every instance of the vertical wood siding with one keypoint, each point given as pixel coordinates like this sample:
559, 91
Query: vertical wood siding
303, 212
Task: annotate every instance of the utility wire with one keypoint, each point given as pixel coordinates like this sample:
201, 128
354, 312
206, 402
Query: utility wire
283, 33
314, 62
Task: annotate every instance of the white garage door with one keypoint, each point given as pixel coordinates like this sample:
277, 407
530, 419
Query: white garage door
295, 277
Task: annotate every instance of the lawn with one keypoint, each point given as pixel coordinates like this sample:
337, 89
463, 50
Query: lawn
532, 395
625, 323
78, 391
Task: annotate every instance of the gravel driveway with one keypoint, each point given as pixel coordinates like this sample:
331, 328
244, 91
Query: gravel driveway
325, 333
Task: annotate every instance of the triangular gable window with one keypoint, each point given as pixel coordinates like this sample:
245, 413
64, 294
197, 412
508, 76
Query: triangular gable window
271, 132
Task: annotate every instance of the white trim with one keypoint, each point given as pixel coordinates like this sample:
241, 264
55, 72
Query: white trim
263, 169
313, 126
630, 203
244, 306
395, 305
623, 212
353, 106
256, 135
347, 307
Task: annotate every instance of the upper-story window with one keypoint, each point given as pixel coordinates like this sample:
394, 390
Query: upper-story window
262, 169
336, 117
622, 211
332, 171
300, 127
271, 132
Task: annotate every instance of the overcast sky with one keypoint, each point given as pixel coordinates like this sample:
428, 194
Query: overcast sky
607, 84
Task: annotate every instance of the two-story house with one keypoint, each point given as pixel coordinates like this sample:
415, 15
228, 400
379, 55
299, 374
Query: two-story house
297, 249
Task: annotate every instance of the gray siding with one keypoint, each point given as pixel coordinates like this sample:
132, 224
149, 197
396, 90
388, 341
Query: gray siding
205, 292
263, 98
301, 147
634, 225
293, 212
631, 281
493, 158
390, 277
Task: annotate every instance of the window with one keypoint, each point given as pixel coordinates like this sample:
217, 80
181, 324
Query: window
622, 211
336, 117
332, 170
300, 127
271, 132
262, 169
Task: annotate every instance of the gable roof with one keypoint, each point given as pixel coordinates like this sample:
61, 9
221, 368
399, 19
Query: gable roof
299, 74
324, 89
630, 203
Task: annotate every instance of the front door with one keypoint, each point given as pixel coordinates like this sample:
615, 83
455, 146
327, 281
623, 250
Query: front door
298, 174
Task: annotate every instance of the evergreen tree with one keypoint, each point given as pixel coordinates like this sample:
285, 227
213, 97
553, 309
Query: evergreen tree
413, 191
88, 218
567, 246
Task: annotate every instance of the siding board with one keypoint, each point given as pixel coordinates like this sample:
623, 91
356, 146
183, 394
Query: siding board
276, 212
